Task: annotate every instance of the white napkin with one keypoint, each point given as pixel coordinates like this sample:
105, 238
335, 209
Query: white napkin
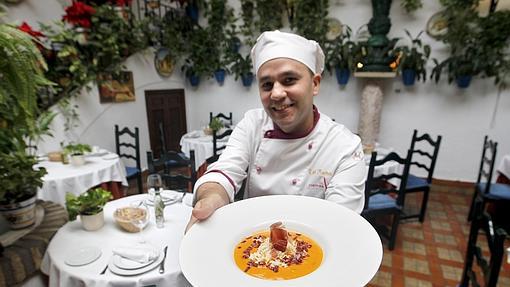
138, 254
193, 134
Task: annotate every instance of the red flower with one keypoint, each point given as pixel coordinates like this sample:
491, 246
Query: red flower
121, 2
27, 29
79, 14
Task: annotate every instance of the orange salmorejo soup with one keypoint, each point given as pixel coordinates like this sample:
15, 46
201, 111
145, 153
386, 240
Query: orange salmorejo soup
302, 257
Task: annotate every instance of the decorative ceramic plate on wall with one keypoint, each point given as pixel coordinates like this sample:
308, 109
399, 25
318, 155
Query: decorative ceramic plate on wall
334, 28
163, 62
437, 26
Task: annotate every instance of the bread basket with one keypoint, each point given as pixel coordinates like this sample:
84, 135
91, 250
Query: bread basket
124, 217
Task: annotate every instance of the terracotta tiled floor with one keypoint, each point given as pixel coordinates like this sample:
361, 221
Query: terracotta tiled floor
432, 254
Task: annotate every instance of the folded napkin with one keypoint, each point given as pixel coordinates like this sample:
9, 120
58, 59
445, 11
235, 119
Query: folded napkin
138, 254
193, 134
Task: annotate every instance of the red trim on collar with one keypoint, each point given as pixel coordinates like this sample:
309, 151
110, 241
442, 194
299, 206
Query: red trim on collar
277, 133
221, 172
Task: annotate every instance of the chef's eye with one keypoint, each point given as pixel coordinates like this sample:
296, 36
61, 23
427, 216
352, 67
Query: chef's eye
289, 80
266, 86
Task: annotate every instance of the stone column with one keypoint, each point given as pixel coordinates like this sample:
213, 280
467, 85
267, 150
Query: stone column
370, 115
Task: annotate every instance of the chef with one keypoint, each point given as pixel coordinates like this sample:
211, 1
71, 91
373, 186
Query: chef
288, 147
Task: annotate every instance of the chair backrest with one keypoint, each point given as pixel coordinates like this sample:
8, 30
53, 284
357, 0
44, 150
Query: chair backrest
169, 161
227, 119
127, 144
486, 169
379, 184
428, 148
216, 138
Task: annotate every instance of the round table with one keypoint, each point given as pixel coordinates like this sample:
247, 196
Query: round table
72, 236
201, 143
63, 178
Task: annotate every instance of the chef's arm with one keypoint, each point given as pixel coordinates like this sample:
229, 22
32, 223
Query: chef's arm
209, 197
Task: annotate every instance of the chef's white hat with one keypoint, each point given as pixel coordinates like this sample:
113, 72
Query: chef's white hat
276, 44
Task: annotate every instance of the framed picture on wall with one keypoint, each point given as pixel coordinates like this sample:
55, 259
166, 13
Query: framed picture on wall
116, 89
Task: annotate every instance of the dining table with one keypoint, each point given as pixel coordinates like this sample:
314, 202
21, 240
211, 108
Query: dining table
504, 170
72, 239
201, 143
101, 168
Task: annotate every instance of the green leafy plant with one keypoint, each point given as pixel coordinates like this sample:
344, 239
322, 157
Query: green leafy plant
411, 5
89, 203
241, 66
414, 57
216, 124
77, 149
21, 73
341, 52
310, 19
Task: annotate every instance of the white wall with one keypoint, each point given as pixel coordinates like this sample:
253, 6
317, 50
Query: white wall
462, 117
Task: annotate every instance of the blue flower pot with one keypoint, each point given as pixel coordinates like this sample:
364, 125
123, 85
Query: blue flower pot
408, 77
219, 75
463, 81
192, 12
247, 79
235, 45
194, 80
342, 75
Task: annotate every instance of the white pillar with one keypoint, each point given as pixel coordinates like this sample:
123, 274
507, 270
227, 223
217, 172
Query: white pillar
370, 115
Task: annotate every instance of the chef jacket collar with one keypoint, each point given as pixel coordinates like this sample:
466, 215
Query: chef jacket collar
278, 133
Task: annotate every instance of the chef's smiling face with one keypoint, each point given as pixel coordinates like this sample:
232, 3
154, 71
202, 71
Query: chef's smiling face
286, 89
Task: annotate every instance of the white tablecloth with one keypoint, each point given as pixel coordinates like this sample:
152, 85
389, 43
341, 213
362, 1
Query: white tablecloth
63, 178
202, 145
72, 236
504, 166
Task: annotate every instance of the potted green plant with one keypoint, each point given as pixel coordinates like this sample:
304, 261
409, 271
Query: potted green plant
242, 67
22, 77
413, 59
89, 206
340, 55
215, 125
76, 153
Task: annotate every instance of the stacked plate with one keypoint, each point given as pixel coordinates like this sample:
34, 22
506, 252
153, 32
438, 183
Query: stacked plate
168, 196
125, 266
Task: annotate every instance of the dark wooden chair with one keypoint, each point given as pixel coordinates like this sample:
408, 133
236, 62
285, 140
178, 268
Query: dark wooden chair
489, 264
127, 145
485, 190
226, 119
383, 198
218, 138
181, 179
424, 151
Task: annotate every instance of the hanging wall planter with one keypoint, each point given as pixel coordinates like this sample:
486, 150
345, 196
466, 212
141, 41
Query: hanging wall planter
463, 81
247, 79
219, 75
194, 80
192, 12
342, 75
408, 77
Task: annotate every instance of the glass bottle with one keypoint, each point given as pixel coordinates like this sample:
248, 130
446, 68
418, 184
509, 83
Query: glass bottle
159, 209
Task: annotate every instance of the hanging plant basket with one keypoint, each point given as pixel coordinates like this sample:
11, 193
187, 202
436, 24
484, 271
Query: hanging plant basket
247, 79
342, 75
194, 80
219, 75
463, 81
192, 12
408, 77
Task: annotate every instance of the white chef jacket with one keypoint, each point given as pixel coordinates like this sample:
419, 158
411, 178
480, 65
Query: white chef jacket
326, 163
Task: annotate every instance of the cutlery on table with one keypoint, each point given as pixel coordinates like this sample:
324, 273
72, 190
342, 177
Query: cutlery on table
104, 270
162, 264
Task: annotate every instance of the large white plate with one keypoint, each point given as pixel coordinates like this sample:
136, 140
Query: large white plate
83, 256
129, 272
352, 248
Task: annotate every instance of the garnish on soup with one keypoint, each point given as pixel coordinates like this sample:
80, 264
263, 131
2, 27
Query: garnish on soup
278, 254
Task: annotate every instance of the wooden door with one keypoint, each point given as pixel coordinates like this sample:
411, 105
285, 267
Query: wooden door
166, 116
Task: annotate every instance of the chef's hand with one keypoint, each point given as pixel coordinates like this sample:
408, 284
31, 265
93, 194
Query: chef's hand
210, 196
